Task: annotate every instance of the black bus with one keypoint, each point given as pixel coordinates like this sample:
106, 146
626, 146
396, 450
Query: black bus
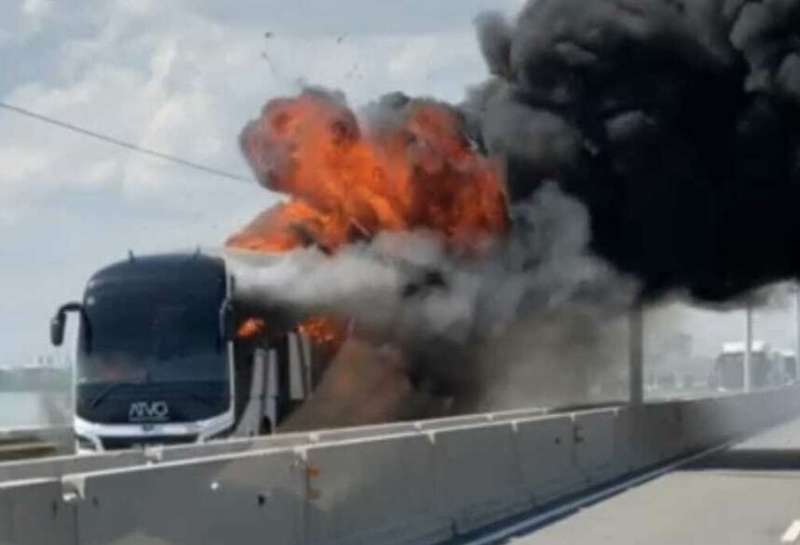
158, 360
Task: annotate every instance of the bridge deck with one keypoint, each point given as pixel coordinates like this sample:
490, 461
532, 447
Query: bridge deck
748, 494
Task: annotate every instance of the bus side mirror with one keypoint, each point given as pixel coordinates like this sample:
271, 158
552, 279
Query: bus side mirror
227, 325
57, 329
59, 320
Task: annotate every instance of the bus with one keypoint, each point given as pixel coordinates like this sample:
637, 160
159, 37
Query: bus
159, 359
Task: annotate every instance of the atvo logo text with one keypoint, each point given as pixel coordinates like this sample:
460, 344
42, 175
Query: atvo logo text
148, 411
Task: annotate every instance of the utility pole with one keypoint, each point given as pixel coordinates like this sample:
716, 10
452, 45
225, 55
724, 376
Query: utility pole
797, 327
748, 347
636, 354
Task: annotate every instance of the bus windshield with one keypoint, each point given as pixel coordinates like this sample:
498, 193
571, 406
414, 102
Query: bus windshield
151, 333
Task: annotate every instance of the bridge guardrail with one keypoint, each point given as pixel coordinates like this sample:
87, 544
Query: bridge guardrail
215, 500
389, 490
546, 451
410, 487
178, 453
594, 434
477, 475
55, 467
56, 441
32, 512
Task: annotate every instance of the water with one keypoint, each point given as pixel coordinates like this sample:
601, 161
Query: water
22, 409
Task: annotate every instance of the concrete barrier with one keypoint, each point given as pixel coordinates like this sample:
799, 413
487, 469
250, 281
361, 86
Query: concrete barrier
625, 448
396, 484
731, 415
721, 414
764, 403
373, 491
517, 414
252, 498
57, 466
32, 513
349, 434
699, 430
477, 474
546, 453
663, 431
446, 423
594, 433
177, 453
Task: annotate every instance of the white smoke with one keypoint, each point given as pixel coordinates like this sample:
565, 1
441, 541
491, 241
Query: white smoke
406, 289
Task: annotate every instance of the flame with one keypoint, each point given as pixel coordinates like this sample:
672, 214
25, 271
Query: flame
348, 179
324, 330
251, 328
289, 226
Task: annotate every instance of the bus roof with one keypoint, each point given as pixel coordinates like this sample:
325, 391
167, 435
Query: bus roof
184, 270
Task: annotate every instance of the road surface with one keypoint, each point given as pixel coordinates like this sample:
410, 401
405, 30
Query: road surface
748, 494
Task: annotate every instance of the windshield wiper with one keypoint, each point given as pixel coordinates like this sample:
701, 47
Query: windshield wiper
108, 390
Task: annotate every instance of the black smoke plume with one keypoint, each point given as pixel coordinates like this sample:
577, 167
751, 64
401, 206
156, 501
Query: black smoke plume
676, 122
660, 135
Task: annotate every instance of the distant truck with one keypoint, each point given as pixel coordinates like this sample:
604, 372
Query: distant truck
159, 360
789, 363
767, 367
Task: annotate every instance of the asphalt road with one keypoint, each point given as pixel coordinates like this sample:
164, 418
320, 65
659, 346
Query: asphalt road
746, 495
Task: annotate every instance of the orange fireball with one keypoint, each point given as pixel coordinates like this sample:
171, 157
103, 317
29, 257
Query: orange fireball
348, 179
408, 166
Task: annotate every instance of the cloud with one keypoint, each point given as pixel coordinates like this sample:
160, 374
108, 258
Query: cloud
353, 17
37, 8
19, 164
183, 78
172, 80
35, 13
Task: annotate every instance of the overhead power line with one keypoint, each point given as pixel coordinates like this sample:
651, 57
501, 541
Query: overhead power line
124, 144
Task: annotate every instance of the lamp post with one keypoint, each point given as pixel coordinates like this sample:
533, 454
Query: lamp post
795, 373
748, 347
636, 354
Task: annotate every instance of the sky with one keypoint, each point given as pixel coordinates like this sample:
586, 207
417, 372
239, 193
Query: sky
183, 77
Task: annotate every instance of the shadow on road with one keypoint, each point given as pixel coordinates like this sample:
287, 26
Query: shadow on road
767, 459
